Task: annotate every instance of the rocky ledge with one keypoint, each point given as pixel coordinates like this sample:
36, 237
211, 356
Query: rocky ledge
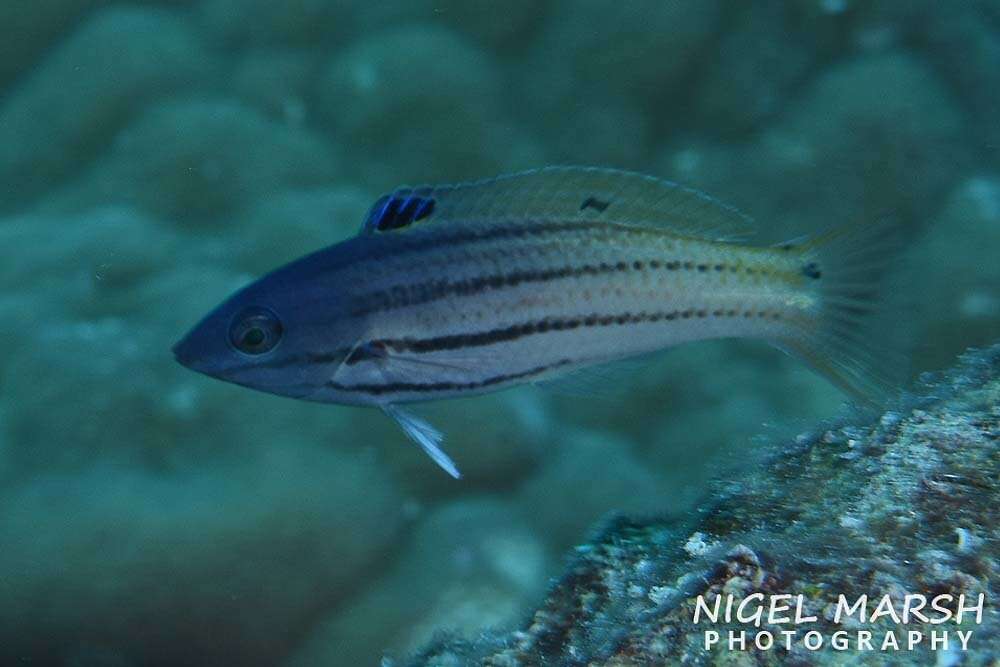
905, 503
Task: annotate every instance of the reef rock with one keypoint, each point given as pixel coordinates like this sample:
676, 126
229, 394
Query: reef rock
906, 503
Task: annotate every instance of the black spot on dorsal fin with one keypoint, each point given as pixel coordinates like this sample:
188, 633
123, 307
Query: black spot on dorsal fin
595, 203
811, 270
400, 209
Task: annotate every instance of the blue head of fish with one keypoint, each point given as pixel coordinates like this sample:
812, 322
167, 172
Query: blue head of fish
283, 334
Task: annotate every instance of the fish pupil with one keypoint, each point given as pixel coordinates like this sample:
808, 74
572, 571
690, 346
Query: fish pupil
255, 331
254, 337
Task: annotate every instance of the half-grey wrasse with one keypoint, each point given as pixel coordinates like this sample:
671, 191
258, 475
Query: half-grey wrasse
464, 289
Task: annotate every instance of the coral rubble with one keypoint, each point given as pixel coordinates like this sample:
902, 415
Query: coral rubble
904, 503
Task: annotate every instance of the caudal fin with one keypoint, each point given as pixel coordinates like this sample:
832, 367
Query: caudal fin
850, 342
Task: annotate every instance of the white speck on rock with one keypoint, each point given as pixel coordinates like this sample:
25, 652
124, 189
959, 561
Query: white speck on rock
696, 545
660, 594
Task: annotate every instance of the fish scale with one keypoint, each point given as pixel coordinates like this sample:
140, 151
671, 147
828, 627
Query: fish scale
676, 304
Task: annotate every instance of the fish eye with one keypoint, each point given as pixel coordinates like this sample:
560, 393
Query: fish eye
255, 331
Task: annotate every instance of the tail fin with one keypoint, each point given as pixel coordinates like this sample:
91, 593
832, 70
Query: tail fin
850, 345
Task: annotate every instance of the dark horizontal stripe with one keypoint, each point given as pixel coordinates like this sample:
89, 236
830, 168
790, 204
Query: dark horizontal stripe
401, 296
385, 246
382, 348
436, 238
401, 387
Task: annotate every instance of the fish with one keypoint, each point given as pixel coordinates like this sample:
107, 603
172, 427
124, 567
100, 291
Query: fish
461, 289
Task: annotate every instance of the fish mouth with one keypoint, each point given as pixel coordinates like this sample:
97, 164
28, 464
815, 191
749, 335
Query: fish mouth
185, 353
181, 356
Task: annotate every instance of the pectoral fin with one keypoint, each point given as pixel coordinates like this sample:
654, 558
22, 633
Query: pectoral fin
425, 435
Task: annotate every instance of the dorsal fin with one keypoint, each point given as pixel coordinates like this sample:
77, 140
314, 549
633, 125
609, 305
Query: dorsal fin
564, 193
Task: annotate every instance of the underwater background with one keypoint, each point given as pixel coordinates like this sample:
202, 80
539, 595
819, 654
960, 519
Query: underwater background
156, 156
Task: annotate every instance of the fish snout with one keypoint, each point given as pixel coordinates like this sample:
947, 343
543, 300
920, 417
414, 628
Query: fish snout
186, 353
198, 351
